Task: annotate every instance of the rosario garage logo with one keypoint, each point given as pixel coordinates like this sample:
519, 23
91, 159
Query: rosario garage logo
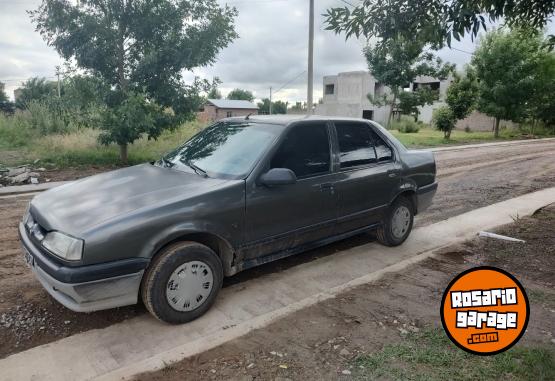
485, 310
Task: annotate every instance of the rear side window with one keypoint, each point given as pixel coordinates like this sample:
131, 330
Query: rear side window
305, 150
383, 151
356, 146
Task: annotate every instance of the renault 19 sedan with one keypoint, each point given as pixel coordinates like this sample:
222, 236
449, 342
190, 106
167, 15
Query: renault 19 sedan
240, 193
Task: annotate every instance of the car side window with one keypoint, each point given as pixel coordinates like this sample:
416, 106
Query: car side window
383, 151
305, 150
356, 146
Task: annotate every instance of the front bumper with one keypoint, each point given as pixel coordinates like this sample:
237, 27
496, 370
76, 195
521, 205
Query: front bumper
83, 288
424, 196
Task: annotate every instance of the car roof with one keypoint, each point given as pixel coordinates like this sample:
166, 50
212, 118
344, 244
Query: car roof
286, 119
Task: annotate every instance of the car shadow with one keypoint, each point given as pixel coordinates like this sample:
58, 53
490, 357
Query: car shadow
297, 259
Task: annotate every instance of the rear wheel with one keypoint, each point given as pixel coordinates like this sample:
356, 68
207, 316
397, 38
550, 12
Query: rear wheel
397, 224
182, 282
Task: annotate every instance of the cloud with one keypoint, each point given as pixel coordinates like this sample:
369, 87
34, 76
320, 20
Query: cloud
23, 53
271, 49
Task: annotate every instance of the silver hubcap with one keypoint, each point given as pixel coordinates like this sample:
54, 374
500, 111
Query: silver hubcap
400, 222
189, 286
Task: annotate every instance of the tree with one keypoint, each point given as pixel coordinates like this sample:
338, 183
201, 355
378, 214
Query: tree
83, 91
396, 64
462, 94
240, 94
214, 93
409, 101
299, 107
35, 89
506, 64
542, 102
444, 120
278, 107
435, 21
6, 106
140, 49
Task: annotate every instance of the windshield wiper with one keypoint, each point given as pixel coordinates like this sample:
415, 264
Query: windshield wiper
167, 163
198, 170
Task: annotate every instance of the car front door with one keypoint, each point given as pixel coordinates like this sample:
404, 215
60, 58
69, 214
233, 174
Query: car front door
285, 216
368, 175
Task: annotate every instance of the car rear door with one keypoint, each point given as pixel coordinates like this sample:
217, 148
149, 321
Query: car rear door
368, 175
282, 217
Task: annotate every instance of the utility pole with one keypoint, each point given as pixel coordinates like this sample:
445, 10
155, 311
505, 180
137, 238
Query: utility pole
59, 88
309, 100
270, 100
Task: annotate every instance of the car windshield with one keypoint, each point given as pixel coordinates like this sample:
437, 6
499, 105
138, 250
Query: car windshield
224, 149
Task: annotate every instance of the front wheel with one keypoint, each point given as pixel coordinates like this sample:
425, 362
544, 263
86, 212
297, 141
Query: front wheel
397, 223
182, 282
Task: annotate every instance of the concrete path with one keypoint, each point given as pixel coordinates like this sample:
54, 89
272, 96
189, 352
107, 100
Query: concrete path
143, 344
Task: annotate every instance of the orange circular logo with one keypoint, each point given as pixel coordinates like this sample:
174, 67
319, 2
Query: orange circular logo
485, 310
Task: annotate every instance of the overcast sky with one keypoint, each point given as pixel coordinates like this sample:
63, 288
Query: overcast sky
271, 49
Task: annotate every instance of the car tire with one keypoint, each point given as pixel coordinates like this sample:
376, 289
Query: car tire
182, 282
397, 224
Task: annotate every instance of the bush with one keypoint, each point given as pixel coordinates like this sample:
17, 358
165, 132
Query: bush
406, 125
15, 130
38, 120
444, 120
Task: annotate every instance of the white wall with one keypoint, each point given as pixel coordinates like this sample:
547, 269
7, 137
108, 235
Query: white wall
350, 97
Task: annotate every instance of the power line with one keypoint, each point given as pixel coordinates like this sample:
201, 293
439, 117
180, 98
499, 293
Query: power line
462, 51
287, 83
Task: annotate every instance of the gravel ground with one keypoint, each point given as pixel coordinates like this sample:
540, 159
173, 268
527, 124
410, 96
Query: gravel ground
468, 179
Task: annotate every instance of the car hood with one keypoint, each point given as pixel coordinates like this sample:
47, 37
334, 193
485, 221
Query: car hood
77, 206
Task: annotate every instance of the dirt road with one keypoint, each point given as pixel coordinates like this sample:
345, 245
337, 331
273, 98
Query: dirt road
468, 179
390, 329
473, 178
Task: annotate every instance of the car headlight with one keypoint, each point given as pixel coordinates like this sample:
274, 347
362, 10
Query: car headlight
63, 245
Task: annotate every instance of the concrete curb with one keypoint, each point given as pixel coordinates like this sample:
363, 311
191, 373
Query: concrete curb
30, 188
143, 344
494, 144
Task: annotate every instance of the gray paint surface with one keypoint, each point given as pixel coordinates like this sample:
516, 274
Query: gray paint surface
134, 212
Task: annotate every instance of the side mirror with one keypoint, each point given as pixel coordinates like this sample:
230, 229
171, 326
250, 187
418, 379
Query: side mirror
278, 176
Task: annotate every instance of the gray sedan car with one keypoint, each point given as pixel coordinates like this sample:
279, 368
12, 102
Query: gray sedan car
242, 192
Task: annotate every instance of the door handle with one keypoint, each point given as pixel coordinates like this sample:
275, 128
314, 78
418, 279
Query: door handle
327, 186
393, 172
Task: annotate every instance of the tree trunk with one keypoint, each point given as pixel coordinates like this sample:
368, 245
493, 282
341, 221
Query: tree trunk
496, 128
533, 126
391, 110
447, 134
123, 153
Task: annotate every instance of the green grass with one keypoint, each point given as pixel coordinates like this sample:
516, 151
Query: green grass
80, 148
39, 134
430, 355
542, 297
428, 137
